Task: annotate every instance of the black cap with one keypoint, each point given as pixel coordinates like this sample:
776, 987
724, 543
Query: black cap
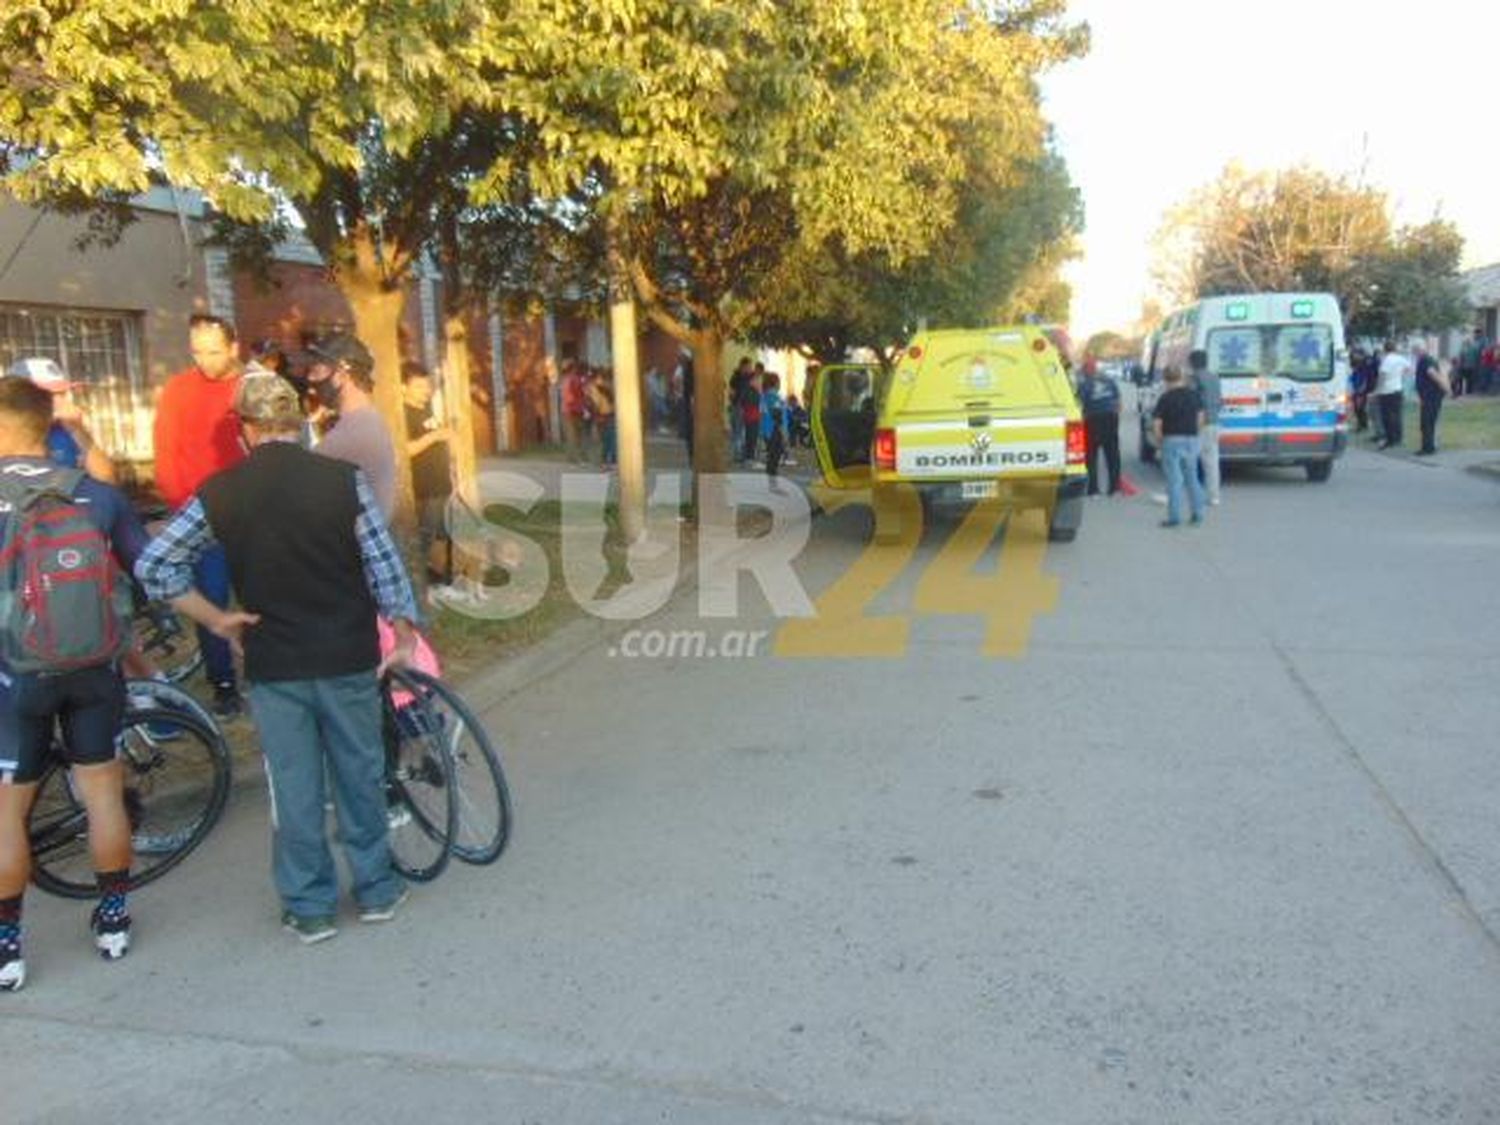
345, 350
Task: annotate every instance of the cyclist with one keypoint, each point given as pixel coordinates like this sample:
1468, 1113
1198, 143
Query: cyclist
312, 563
68, 440
86, 703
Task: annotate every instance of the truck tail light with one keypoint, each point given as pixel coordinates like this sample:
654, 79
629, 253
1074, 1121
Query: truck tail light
1078, 444
885, 450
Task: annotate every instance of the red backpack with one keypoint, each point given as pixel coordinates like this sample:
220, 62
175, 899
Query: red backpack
64, 602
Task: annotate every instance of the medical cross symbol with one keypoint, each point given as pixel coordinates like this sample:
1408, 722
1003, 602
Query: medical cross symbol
1307, 349
1233, 352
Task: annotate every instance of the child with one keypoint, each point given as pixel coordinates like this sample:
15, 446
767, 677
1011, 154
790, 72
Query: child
773, 422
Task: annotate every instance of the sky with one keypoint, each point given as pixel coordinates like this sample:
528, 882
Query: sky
1173, 90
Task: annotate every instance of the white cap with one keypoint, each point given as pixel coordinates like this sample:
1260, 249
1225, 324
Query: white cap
45, 373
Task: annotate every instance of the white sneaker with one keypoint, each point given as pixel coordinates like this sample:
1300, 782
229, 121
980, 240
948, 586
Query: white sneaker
111, 939
387, 912
13, 975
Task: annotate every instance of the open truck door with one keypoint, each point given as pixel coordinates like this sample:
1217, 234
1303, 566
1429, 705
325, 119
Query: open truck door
843, 411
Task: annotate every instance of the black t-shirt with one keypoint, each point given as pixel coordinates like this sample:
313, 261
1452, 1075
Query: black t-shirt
1427, 384
1178, 410
429, 469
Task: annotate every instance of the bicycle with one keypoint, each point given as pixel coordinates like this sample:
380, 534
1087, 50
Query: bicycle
170, 642
420, 789
177, 780
423, 705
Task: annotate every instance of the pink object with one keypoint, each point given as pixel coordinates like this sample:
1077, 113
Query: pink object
423, 660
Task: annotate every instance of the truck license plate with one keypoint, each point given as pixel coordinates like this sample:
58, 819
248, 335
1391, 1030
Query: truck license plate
981, 489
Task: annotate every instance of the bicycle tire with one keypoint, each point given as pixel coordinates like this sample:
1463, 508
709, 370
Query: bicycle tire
419, 781
479, 774
161, 835
165, 695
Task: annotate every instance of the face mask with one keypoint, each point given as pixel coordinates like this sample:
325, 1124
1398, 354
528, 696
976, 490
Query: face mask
328, 391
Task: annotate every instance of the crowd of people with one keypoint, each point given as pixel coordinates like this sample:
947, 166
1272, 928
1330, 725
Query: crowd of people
282, 484
764, 424
1380, 380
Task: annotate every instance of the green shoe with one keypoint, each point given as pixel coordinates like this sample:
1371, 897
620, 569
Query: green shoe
309, 928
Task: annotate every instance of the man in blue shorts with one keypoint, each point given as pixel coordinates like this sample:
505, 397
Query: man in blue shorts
85, 703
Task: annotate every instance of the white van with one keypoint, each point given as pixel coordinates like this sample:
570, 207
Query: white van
1283, 372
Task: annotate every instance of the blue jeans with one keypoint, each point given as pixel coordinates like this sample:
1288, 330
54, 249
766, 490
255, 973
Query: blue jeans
608, 454
311, 730
211, 576
1179, 459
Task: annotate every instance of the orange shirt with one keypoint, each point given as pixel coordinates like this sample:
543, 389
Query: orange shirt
196, 433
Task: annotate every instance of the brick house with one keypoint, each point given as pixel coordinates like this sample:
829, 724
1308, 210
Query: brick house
115, 317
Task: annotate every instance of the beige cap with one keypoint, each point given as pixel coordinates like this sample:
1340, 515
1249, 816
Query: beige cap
266, 397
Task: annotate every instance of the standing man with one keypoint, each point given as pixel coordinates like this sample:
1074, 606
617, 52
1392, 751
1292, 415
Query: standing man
686, 402
1212, 396
86, 702
575, 411
428, 444
1177, 419
1390, 390
342, 376
1432, 387
739, 388
1469, 357
313, 563
1100, 396
196, 436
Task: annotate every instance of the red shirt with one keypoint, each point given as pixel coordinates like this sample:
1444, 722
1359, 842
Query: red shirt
196, 433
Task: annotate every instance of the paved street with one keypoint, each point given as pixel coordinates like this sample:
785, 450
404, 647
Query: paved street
1221, 846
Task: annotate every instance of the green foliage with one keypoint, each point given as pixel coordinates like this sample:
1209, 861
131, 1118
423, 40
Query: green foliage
1413, 285
1303, 229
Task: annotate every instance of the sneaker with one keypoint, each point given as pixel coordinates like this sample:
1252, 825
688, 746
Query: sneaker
1171, 523
227, 703
387, 912
1196, 520
111, 939
13, 975
309, 928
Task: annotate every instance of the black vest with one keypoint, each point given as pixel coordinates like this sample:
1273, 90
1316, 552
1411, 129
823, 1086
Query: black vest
286, 520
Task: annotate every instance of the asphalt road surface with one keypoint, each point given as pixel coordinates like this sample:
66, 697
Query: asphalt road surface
1198, 825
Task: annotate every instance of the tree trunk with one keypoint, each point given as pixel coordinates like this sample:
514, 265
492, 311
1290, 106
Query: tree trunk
460, 402
710, 443
377, 305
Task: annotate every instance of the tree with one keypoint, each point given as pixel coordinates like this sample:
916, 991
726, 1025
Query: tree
846, 142
277, 111
1413, 285
999, 262
1299, 229
1302, 229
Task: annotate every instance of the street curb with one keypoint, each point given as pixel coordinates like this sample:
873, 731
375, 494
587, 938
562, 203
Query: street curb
485, 690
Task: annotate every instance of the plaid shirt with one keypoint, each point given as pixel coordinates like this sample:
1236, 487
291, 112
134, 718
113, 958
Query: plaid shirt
165, 568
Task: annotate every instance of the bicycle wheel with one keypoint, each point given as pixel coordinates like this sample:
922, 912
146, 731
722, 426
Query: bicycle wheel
177, 777
419, 781
147, 694
169, 641
483, 797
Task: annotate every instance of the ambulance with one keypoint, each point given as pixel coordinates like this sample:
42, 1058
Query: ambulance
962, 415
1283, 375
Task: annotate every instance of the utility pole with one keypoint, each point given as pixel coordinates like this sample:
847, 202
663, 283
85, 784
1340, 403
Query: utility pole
628, 427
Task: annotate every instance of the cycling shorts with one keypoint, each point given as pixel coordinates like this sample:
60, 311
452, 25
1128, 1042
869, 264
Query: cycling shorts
86, 705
